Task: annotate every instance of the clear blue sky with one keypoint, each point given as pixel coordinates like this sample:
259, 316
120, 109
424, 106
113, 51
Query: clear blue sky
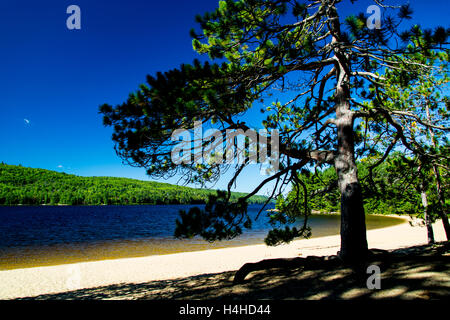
52, 79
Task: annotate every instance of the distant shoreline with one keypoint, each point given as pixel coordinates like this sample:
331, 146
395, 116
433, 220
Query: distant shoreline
114, 205
32, 186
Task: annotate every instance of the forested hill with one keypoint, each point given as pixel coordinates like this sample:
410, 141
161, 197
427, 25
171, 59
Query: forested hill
28, 186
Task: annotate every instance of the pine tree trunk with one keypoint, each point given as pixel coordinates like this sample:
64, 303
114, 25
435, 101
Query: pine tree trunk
353, 227
354, 247
426, 215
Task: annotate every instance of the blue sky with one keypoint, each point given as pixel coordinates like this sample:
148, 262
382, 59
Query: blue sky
52, 79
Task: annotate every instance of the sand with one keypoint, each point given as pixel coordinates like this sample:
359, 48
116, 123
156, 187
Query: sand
30, 282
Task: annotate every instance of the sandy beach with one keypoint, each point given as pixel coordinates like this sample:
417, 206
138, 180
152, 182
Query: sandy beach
31, 282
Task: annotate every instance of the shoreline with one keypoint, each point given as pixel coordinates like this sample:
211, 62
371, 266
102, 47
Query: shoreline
112, 205
35, 281
63, 254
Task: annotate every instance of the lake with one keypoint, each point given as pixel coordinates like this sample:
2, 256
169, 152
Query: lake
48, 235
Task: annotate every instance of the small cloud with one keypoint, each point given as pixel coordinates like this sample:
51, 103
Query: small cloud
60, 166
26, 121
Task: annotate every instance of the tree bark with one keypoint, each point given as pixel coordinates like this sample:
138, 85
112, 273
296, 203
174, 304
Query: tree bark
354, 247
426, 215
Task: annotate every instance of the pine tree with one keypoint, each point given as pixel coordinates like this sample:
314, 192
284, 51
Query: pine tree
315, 73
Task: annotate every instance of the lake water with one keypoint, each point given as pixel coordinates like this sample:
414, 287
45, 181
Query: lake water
49, 235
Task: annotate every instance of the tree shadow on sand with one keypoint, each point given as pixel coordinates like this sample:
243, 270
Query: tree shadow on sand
421, 272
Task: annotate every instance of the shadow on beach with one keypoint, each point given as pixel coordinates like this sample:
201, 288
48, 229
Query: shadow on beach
421, 272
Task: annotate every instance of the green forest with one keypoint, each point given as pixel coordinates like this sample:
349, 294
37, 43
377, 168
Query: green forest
392, 187
29, 186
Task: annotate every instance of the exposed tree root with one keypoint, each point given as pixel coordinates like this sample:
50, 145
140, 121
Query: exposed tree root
331, 262
311, 262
